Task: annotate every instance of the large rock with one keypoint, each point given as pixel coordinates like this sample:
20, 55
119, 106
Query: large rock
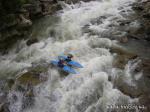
35, 75
122, 57
29, 78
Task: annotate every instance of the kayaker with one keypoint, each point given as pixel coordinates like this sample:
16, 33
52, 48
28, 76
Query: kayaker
61, 63
69, 58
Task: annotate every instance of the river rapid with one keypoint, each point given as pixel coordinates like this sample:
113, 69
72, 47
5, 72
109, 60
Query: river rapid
85, 29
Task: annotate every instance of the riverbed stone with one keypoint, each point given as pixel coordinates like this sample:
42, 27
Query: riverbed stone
122, 57
29, 77
34, 75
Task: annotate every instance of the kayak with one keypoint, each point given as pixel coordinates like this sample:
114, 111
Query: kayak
66, 68
72, 63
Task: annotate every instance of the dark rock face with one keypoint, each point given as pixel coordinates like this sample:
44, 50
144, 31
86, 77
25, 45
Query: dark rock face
142, 10
16, 17
31, 41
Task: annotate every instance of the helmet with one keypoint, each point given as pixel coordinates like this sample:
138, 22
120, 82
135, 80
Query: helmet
70, 55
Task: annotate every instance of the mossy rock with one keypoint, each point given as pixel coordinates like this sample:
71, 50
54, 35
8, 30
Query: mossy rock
29, 78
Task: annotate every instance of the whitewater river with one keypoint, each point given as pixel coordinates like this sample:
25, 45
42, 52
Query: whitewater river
82, 29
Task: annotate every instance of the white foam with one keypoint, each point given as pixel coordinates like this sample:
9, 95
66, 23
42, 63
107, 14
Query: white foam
90, 88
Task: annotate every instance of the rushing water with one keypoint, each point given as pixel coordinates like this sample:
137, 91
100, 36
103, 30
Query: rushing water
90, 90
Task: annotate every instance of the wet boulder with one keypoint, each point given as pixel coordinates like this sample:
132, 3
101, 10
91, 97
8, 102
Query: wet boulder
32, 41
29, 77
121, 60
26, 81
121, 51
122, 57
35, 74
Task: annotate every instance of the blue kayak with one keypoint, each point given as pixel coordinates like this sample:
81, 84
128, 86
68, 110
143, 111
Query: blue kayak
72, 63
65, 68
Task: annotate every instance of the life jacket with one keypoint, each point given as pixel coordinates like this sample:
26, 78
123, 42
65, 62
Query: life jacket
61, 63
68, 59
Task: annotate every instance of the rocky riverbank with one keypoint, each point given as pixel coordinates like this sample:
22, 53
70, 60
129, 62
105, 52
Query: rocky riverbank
17, 17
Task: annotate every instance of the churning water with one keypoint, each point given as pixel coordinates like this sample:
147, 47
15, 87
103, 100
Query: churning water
90, 90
